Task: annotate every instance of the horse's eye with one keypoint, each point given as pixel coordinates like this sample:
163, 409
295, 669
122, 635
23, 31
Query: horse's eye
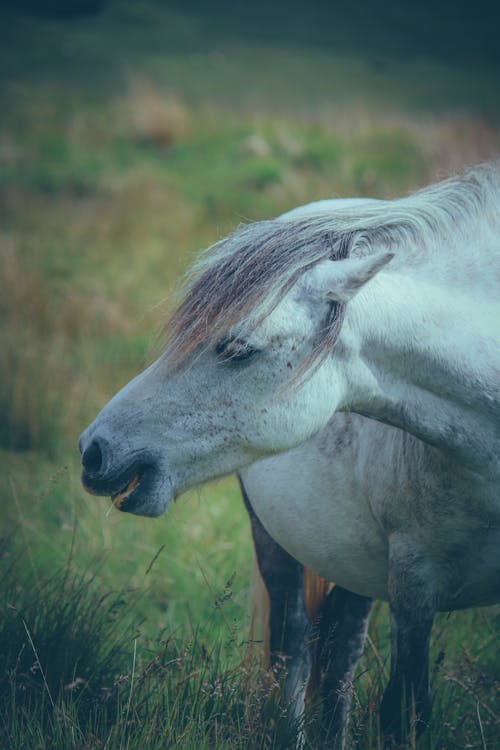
234, 350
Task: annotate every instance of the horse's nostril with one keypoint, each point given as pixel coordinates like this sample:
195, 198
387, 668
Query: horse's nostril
92, 458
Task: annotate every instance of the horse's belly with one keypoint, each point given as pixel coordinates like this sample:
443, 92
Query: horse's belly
328, 529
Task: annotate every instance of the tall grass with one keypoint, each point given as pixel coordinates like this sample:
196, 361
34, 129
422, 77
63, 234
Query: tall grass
77, 671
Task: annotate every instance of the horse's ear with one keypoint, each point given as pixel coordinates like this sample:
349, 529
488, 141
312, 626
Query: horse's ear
347, 277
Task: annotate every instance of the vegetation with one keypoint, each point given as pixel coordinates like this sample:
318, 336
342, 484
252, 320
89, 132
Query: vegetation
127, 142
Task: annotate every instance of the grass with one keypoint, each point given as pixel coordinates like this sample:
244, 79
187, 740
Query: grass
151, 141
71, 669
78, 670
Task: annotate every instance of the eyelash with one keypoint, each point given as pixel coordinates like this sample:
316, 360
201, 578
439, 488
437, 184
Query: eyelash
234, 350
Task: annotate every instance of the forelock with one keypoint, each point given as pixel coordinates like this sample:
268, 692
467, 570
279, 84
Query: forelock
247, 274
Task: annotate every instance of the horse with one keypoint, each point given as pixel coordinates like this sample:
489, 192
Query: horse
344, 359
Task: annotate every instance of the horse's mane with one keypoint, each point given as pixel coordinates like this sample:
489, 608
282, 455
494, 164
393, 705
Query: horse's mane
250, 271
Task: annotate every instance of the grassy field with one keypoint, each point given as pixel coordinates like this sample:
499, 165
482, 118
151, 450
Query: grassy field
128, 141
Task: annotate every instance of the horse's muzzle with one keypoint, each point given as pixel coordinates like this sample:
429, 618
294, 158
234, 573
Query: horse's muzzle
135, 479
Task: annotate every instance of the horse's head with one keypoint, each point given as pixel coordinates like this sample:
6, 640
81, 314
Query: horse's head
222, 395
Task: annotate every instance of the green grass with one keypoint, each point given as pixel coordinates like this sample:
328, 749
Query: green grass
78, 669
127, 142
77, 672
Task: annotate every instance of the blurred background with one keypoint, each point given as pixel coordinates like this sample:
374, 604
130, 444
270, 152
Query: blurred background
132, 134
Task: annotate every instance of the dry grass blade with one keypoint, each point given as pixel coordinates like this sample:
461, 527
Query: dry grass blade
472, 692
131, 689
483, 740
38, 661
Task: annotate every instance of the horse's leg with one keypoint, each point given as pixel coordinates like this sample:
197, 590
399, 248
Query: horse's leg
289, 625
406, 704
342, 627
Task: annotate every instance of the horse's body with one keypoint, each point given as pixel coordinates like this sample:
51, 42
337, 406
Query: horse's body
345, 358
339, 490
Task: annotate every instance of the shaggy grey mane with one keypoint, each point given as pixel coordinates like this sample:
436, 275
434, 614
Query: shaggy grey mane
251, 270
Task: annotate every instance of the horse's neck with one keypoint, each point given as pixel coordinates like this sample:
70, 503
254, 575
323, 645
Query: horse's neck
428, 361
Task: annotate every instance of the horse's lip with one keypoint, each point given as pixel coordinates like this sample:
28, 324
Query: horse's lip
116, 484
137, 494
118, 498
144, 488
130, 496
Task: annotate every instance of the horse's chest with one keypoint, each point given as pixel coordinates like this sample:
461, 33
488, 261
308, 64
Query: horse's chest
332, 533
338, 547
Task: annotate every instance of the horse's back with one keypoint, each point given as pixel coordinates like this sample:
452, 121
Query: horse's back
326, 205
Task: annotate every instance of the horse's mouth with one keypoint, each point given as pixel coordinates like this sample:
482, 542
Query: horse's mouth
125, 491
144, 488
120, 497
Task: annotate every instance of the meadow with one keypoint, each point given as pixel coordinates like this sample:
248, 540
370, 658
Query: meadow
128, 141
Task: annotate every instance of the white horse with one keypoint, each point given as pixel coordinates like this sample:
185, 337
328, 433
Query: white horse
345, 359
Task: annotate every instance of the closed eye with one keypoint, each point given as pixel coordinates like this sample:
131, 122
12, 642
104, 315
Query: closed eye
235, 350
